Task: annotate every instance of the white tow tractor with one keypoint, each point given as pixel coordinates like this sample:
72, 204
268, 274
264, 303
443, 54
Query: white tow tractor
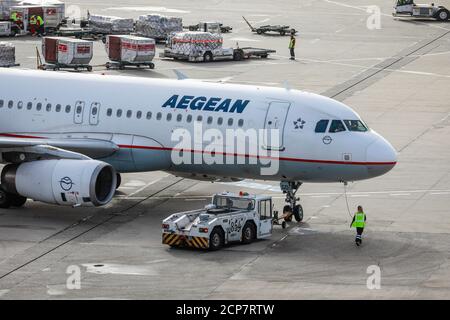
229, 218
407, 8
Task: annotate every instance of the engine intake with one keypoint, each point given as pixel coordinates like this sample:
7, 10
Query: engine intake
63, 182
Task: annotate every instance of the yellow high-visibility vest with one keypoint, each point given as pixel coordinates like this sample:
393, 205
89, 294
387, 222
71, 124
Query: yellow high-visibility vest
292, 43
360, 220
33, 20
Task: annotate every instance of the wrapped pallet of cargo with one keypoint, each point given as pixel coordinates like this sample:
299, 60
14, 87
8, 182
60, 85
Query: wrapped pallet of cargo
110, 25
130, 50
7, 55
157, 26
62, 52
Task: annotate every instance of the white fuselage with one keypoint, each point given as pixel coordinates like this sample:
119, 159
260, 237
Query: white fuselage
141, 117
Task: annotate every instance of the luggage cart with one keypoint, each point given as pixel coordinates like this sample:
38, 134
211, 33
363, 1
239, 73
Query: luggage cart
281, 29
249, 52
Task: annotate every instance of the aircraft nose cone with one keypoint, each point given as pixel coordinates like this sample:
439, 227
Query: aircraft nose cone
381, 157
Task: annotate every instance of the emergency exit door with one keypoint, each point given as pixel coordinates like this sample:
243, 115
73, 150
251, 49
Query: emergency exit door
78, 112
275, 122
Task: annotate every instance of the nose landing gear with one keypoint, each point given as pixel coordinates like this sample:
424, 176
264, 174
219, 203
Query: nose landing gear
292, 208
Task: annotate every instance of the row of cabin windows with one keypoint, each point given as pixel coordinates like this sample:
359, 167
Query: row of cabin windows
169, 117
39, 106
119, 113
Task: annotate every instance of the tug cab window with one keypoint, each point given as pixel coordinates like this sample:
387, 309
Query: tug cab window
336, 126
322, 126
355, 125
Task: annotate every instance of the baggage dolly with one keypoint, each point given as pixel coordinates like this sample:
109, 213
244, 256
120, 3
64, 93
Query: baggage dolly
281, 29
58, 66
123, 64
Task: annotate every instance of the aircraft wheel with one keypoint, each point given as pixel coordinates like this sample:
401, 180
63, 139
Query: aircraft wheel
208, 57
119, 180
248, 233
18, 201
259, 31
216, 239
298, 213
5, 199
287, 210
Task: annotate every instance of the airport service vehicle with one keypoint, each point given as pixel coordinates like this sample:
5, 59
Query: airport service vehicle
64, 141
407, 8
281, 29
229, 218
8, 29
66, 53
125, 50
200, 46
213, 27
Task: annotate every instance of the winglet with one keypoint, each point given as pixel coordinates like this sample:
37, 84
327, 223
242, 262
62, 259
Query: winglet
180, 75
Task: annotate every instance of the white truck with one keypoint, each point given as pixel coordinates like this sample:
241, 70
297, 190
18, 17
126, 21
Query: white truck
407, 8
229, 218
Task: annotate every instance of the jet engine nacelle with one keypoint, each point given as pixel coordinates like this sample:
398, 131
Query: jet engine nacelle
63, 182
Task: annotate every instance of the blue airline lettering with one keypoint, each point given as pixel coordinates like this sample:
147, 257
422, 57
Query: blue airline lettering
213, 104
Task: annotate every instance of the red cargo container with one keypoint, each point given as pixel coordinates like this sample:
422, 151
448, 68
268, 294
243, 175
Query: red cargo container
115, 48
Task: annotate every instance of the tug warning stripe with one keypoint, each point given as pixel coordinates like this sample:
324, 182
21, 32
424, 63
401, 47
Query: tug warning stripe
173, 240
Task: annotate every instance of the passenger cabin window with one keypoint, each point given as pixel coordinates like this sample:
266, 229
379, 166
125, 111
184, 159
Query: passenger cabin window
355, 125
199, 118
68, 109
109, 112
58, 108
179, 118
230, 122
129, 113
336, 126
1, 103
220, 121
20, 105
139, 114
29, 105
149, 115
10, 104
48, 107
169, 117
39, 106
210, 120
322, 126
189, 119
158, 116
119, 113
241, 123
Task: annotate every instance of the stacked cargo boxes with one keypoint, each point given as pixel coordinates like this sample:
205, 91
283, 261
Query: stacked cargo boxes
130, 49
110, 25
194, 43
67, 51
7, 54
157, 26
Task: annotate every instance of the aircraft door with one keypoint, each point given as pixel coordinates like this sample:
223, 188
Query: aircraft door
94, 114
265, 218
276, 120
78, 112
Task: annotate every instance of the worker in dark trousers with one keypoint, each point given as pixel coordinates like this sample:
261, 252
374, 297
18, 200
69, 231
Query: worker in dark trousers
40, 26
359, 222
292, 44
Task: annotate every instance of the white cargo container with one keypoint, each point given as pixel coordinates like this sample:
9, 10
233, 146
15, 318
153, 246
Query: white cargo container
130, 50
67, 52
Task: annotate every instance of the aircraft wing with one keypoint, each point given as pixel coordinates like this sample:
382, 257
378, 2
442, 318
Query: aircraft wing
39, 149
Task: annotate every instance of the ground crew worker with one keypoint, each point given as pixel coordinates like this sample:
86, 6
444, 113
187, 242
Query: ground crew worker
359, 222
33, 25
292, 43
14, 17
40, 26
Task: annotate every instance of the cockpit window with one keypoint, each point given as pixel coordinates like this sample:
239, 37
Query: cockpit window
336, 126
322, 126
355, 125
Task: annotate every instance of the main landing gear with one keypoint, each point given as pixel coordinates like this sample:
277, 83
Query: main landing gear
10, 200
292, 208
